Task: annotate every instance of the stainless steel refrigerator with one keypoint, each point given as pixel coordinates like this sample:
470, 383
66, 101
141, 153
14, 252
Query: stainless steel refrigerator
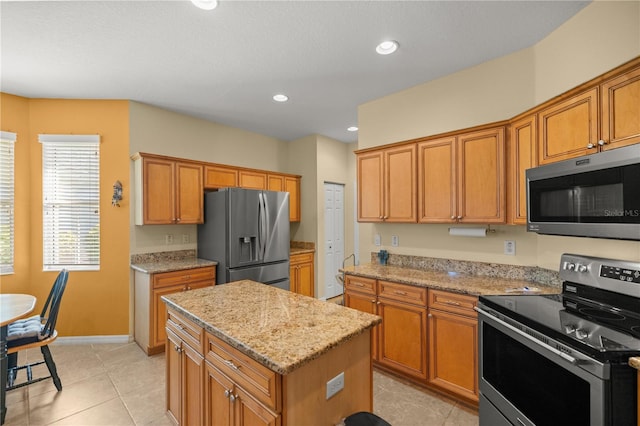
247, 232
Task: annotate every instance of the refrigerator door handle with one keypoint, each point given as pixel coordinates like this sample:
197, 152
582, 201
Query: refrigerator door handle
262, 225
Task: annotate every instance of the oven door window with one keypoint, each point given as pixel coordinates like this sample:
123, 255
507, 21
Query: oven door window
540, 389
601, 196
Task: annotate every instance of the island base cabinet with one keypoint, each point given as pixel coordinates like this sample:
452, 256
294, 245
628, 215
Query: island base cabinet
185, 377
229, 404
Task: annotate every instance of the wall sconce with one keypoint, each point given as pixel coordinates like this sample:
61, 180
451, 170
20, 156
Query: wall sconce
117, 194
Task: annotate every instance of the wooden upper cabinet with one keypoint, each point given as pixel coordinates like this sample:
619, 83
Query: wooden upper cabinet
216, 177
252, 179
189, 193
522, 156
568, 128
621, 110
437, 193
292, 186
168, 191
461, 178
481, 177
387, 186
370, 187
275, 182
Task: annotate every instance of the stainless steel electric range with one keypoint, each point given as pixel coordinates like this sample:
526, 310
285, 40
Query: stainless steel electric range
562, 359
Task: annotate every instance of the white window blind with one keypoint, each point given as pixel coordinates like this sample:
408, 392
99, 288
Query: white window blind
71, 201
7, 180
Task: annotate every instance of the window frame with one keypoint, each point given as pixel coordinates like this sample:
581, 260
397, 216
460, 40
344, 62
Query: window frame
61, 200
7, 186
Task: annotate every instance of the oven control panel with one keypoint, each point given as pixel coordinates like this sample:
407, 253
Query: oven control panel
621, 274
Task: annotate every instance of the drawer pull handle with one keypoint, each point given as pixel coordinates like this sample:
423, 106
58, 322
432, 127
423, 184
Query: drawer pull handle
227, 393
451, 302
231, 364
178, 349
233, 397
401, 293
358, 284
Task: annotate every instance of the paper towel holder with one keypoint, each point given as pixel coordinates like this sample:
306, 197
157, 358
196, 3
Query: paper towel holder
471, 231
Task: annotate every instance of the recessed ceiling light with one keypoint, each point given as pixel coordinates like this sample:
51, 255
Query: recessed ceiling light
205, 4
280, 98
387, 47
352, 129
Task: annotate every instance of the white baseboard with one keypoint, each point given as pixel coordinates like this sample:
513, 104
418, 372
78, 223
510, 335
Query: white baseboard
89, 340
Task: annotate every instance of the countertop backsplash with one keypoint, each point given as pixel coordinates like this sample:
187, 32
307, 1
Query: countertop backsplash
162, 256
527, 273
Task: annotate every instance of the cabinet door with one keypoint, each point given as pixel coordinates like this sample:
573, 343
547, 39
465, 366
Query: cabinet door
364, 303
252, 180
522, 156
567, 128
292, 186
217, 390
192, 386
158, 191
481, 177
305, 279
437, 184
370, 187
159, 315
453, 356
220, 177
400, 184
174, 377
250, 412
621, 110
402, 338
275, 183
189, 194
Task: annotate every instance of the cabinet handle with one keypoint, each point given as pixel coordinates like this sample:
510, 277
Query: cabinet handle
231, 364
358, 284
401, 293
430, 315
178, 220
459, 217
451, 302
386, 217
188, 288
227, 393
381, 217
590, 145
373, 300
178, 349
233, 397
601, 142
453, 217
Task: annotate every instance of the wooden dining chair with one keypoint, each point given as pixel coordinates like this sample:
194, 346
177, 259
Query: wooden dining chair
36, 331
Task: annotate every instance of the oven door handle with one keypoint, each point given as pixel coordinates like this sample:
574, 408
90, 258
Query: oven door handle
562, 355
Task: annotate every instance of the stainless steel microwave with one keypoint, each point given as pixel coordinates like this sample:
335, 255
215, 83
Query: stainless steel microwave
596, 195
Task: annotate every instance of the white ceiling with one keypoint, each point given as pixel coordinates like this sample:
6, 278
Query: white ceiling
225, 65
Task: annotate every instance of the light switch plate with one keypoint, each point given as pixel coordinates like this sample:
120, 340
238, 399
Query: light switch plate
510, 247
376, 239
394, 240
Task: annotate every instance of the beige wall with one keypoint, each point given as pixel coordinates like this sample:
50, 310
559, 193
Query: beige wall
158, 131
600, 37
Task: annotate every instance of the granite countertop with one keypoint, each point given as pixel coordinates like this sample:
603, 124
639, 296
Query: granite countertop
451, 281
279, 329
635, 362
168, 265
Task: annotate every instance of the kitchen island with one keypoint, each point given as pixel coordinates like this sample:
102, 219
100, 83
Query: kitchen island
248, 353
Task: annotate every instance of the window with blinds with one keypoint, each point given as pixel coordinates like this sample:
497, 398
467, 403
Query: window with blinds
7, 154
71, 201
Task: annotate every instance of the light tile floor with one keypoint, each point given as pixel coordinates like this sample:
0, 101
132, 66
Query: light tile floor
119, 385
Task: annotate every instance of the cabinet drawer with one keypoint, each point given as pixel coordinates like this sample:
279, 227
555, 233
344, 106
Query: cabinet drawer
453, 302
403, 293
188, 275
259, 381
297, 259
186, 330
360, 284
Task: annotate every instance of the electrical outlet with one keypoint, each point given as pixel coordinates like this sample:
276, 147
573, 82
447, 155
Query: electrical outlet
376, 239
394, 240
185, 238
168, 239
509, 247
335, 385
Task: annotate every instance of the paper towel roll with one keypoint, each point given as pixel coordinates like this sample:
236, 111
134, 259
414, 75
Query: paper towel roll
468, 232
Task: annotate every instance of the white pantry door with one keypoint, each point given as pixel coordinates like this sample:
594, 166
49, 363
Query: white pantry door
333, 237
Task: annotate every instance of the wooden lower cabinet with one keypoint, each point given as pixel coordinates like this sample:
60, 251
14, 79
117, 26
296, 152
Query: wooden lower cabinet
453, 344
427, 336
150, 313
301, 274
185, 377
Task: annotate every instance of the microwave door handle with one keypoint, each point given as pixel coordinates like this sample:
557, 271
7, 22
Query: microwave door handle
521, 333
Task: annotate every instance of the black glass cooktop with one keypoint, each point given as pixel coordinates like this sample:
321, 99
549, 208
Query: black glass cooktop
604, 331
